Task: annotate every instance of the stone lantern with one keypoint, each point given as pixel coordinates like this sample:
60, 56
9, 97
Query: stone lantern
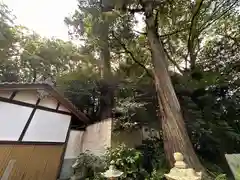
180, 170
112, 173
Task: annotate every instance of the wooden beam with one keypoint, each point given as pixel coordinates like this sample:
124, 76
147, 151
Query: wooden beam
11, 101
28, 121
54, 110
13, 94
30, 142
58, 104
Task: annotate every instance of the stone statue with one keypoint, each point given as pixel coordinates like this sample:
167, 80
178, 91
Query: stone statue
180, 170
112, 172
78, 171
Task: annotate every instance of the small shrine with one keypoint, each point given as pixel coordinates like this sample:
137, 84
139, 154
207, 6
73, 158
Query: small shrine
112, 173
180, 170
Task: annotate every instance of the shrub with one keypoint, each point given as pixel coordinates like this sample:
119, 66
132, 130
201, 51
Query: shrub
132, 162
153, 154
127, 160
157, 175
221, 177
90, 165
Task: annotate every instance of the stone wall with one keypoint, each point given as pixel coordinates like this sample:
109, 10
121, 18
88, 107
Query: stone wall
133, 138
130, 139
97, 137
74, 147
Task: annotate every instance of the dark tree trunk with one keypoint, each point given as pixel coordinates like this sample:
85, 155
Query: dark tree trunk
106, 99
175, 135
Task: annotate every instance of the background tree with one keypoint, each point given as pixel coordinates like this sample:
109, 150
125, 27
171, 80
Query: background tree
174, 33
197, 69
157, 16
8, 45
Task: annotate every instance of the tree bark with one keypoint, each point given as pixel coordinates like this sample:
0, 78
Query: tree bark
106, 99
175, 135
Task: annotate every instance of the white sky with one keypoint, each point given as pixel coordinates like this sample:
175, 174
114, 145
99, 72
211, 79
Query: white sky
45, 17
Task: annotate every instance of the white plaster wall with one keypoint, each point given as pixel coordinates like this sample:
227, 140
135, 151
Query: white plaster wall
74, 145
13, 119
27, 97
6, 94
49, 102
97, 137
48, 127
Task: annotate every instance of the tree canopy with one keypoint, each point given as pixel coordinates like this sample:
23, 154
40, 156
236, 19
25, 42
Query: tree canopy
185, 48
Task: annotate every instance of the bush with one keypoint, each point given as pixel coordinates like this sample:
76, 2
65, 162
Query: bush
153, 154
221, 177
90, 165
127, 160
132, 162
157, 175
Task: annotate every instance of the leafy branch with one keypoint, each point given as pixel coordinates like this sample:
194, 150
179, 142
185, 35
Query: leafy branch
211, 19
192, 33
131, 55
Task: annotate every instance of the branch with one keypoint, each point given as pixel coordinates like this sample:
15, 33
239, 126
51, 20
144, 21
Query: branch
172, 33
132, 11
155, 2
156, 19
192, 34
172, 61
234, 39
120, 52
123, 8
216, 9
169, 52
205, 25
131, 55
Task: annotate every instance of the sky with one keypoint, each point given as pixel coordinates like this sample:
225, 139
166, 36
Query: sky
45, 17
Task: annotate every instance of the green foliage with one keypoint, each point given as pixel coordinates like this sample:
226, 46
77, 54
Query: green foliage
127, 109
25, 56
128, 160
132, 162
238, 175
44, 57
221, 177
153, 154
8, 48
90, 166
209, 94
89, 160
157, 175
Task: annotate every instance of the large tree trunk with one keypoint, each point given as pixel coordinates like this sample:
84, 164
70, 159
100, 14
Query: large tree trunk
106, 101
175, 135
